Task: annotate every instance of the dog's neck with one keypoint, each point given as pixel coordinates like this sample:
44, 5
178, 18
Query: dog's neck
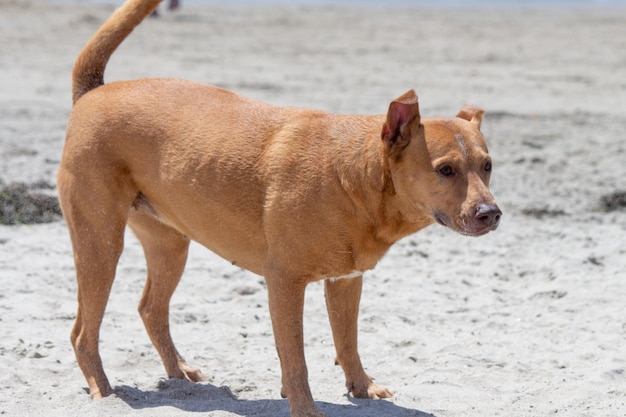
364, 176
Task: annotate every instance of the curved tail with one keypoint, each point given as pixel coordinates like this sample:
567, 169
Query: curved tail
88, 72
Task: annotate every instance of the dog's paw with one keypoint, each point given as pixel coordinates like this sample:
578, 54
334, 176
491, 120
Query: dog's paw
98, 393
377, 392
191, 374
371, 390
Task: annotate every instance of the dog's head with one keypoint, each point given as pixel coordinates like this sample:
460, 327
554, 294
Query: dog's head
439, 169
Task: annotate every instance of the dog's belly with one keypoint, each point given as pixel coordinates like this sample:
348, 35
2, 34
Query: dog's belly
232, 234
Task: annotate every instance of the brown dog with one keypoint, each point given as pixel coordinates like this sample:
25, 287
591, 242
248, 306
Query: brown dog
294, 195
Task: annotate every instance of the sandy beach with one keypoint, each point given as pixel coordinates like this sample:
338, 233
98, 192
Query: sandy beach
529, 320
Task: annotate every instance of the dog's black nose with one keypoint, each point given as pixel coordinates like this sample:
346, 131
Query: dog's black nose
488, 214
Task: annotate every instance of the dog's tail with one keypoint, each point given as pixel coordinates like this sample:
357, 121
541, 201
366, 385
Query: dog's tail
89, 67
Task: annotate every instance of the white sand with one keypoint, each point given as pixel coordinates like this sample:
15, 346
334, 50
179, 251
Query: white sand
527, 321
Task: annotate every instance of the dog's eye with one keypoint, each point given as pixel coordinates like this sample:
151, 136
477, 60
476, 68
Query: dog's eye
487, 167
446, 171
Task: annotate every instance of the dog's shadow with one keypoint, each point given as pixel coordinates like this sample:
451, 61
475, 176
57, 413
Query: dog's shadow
204, 398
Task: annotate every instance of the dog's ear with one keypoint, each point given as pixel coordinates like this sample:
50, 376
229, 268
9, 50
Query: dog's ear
403, 113
472, 114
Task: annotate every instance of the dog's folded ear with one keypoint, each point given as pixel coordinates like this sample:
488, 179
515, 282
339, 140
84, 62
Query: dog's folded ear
472, 114
403, 113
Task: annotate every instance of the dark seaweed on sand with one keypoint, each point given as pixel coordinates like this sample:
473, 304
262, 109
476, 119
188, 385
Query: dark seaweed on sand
21, 203
614, 201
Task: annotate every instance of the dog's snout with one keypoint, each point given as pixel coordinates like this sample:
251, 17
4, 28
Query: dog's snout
488, 214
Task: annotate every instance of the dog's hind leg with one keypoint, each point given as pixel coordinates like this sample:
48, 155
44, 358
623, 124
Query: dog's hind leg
342, 301
166, 254
96, 218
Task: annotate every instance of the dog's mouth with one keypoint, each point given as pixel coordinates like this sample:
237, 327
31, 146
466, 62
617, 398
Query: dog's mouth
474, 227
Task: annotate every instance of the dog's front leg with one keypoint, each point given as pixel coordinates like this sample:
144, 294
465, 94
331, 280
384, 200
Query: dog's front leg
286, 302
342, 300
